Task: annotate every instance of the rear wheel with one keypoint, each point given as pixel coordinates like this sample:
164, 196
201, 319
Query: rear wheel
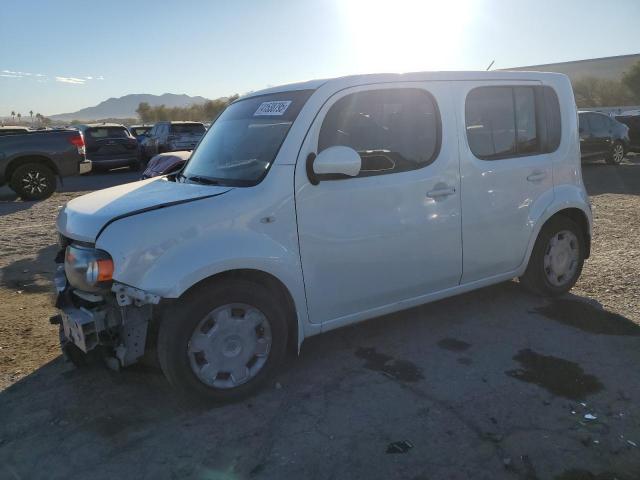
33, 181
557, 258
616, 155
223, 340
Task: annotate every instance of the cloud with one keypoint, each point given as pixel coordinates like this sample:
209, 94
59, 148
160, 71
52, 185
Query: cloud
41, 78
73, 80
16, 74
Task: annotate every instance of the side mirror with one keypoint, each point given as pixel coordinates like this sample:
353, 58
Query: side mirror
338, 160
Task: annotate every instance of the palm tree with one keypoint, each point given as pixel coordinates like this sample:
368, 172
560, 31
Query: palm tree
19, 117
13, 115
31, 114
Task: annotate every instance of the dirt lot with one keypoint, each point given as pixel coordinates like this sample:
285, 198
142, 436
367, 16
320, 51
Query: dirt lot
492, 384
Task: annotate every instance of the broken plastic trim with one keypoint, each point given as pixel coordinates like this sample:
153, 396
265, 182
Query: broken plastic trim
126, 295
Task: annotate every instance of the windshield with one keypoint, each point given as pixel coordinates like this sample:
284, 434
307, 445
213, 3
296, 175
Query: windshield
188, 128
240, 146
137, 131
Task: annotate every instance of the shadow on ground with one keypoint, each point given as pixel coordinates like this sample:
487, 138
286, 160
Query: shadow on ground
31, 274
601, 178
11, 203
439, 381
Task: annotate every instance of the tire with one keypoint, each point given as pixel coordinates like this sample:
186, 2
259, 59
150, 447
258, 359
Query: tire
616, 155
542, 274
33, 181
187, 326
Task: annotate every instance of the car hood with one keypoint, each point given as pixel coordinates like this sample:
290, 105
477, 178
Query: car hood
85, 217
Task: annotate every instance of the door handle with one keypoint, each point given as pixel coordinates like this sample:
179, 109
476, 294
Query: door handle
537, 176
441, 192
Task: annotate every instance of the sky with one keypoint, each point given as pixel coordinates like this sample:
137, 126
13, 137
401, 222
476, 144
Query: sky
62, 55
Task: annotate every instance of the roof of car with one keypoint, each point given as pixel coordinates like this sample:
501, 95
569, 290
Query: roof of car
95, 125
13, 127
174, 122
410, 77
597, 113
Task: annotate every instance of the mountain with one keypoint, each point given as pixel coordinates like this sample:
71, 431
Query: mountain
125, 107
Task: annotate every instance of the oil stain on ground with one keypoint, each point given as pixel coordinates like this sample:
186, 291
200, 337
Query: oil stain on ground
398, 369
587, 317
454, 344
558, 376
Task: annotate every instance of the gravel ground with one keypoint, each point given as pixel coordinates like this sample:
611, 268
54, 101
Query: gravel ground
492, 384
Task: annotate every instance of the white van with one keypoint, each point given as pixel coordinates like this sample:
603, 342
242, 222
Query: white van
316, 205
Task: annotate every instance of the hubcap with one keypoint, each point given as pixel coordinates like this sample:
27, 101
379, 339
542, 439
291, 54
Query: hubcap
561, 258
230, 345
33, 182
618, 153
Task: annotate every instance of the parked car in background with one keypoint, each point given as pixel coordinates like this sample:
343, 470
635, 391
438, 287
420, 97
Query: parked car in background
165, 163
138, 131
30, 161
632, 120
10, 130
313, 206
602, 137
110, 145
171, 137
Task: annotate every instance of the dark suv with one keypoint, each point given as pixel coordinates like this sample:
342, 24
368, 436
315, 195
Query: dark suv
171, 137
110, 145
632, 120
602, 136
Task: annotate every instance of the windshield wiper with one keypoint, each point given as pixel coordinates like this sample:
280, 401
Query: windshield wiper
203, 180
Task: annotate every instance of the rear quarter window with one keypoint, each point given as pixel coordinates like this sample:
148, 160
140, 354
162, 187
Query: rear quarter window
552, 115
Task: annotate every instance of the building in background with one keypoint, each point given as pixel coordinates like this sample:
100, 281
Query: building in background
597, 81
606, 68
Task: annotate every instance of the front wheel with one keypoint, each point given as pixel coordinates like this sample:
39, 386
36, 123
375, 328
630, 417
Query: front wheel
222, 340
616, 155
33, 181
557, 258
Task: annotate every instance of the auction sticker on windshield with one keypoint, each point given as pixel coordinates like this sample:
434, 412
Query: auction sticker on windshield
273, 108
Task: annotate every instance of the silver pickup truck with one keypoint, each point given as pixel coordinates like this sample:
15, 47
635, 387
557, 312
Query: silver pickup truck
30, 161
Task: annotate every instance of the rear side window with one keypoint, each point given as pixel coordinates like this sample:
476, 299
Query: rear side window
188, 128
393, 130
599, 123
106, 132
139, 131
527, 140
507, 122
582, 123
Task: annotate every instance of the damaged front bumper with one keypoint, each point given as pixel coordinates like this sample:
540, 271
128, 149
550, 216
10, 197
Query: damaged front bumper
117, 321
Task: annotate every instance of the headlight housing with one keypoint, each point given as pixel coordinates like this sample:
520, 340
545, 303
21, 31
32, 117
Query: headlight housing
88, 269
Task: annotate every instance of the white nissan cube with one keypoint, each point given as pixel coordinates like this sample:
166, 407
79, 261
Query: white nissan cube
316, 205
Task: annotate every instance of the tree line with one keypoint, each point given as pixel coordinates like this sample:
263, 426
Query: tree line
203, 112
598, 92
41, 120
